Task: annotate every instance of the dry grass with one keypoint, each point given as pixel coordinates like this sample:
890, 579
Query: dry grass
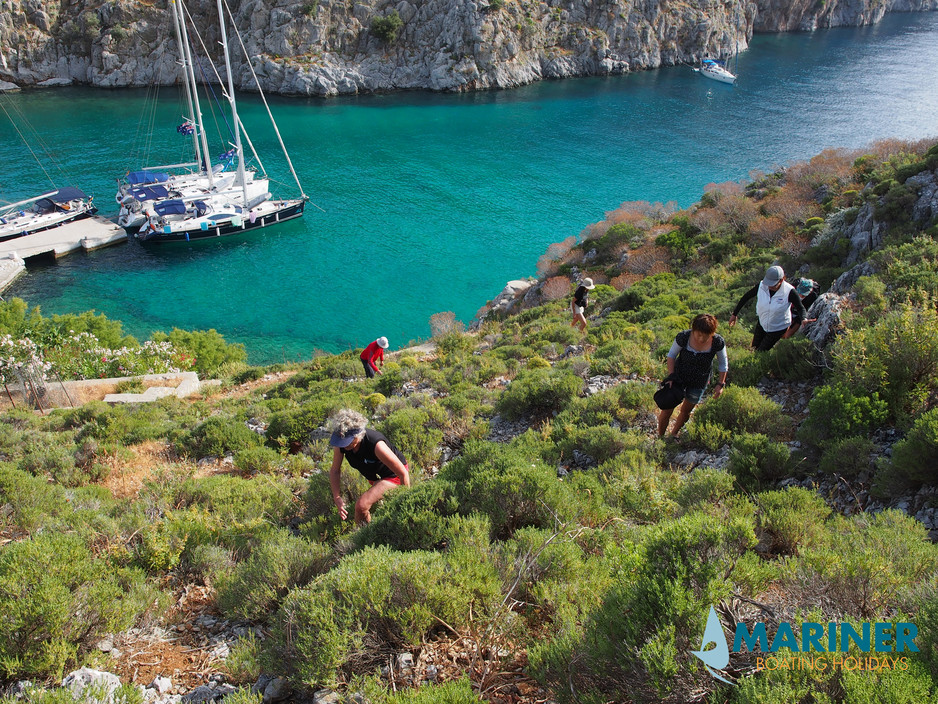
127, 477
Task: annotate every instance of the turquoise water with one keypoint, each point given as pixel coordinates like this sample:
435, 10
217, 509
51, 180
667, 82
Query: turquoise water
432, 202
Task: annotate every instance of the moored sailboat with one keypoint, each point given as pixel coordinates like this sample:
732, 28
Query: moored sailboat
241, 205
44, 212
712, 68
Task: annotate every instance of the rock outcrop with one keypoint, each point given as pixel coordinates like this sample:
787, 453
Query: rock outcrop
328, 47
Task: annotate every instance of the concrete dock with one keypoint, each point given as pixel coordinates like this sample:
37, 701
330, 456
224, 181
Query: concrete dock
87, 234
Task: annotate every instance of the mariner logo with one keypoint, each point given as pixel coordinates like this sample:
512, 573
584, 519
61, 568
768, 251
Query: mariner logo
718, 657
821, 646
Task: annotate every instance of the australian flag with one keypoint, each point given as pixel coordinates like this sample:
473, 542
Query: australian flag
186, 128
228, 155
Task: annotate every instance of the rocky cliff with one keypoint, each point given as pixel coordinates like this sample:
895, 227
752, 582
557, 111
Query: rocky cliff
327, 47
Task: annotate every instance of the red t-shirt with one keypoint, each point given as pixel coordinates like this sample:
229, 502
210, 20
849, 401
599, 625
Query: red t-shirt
372, 353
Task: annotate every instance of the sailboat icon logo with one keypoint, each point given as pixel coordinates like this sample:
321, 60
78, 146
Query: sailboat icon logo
717, 657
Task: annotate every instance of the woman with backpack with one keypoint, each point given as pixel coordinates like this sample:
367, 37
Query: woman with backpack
690, 366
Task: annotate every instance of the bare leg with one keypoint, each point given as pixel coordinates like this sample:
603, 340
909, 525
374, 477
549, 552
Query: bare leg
682, 417
369, 499
664, 415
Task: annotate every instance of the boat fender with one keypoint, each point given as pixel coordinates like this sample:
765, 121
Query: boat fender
253, 217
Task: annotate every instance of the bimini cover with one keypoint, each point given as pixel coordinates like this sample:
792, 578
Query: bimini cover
200, 207
64, 195
149, 193
170, 207
135, 178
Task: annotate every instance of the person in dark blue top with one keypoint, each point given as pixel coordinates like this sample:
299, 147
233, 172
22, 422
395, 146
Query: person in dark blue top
372, 454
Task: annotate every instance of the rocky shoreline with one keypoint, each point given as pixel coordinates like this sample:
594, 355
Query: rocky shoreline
326, 47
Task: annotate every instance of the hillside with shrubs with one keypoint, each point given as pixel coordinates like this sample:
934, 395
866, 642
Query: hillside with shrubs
551, 547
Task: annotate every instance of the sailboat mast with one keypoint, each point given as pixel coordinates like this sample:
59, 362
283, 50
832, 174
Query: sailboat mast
736, 32
231, 100
182, 58
203, 156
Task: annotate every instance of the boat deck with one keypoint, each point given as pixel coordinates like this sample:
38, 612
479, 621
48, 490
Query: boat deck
87, 234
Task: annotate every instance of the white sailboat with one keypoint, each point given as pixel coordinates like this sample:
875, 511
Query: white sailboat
711, 68
138, 191
242, 205
44, 212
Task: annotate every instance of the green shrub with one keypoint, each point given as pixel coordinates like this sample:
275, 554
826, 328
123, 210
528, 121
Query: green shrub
57, 600
413, 433
511, 486
250, 374
846, 457
896, 357
275, 566
415, 519
755, 459
243, 662
538, 392
744, 410
835, 411
208, 347
710, 435
791, 359
123, 425
32, 500
391, 380
677, 243
372, 401
233, 500
257, 460
158, 548
864, 563
55, 461
209, 562
703, 486
243, 695
387, 28
665, 588
218, 436
790, 519
601, 443
915, 457
375, 689
519, 352
619, 357
295, 425
384, 596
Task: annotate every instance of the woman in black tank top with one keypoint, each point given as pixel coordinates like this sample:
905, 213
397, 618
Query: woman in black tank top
372, 454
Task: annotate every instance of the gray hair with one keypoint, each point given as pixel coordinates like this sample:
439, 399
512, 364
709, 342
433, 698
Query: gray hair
346, 422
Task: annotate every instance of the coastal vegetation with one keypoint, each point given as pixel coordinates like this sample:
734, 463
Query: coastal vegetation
551, 546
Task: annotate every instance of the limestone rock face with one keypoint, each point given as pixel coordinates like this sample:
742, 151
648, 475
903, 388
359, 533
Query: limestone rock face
327, 47
808, 15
